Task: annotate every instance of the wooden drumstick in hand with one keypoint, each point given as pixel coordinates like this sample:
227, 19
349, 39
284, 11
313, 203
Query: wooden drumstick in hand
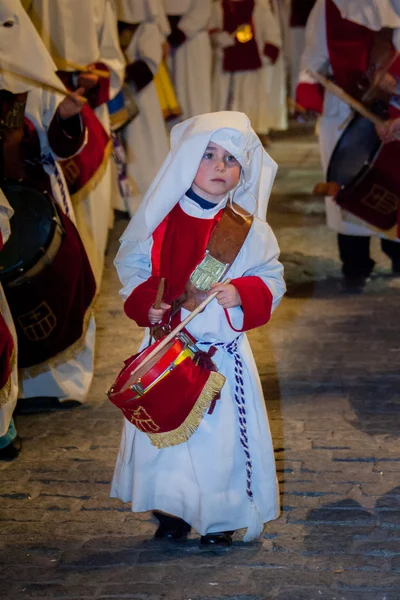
160, 293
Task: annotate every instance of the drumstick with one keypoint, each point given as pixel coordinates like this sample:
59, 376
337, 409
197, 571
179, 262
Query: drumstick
345, 97
102, 73
179, 328
160, 293
41, 83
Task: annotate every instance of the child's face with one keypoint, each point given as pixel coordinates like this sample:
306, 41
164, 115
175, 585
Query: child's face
218, 173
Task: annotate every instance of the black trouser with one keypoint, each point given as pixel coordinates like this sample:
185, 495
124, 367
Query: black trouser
355, 256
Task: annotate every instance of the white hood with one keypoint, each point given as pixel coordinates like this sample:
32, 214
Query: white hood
232, 131
23, 56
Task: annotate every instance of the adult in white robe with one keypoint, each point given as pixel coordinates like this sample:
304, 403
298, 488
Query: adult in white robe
249, 90
21, 47
179, 479
83, 33
374, 15
190, 61
145, 138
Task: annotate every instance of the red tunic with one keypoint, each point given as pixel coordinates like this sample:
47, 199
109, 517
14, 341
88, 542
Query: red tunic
179, 245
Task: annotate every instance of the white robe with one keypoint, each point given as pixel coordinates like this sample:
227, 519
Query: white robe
146, 139
247, 91
276, 76
190, 65
70, 379
85, 33
335, 112
203, 481
7, 404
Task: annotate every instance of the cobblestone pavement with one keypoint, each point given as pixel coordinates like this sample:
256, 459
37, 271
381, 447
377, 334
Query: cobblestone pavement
330, 370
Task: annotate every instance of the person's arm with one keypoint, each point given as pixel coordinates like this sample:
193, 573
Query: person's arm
272, 40
195, 20
65, 130
133, 264
309, 94
144, 56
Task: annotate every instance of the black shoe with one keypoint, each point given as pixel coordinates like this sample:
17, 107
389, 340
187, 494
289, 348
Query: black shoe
11, 451
41, 404
171, 528
353, 284
223, 538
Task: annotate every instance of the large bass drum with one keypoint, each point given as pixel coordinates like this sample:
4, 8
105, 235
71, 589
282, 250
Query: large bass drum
368, 172
48, 281
36, 234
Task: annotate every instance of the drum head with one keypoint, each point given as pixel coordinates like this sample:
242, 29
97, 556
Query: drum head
32, 229
353, 152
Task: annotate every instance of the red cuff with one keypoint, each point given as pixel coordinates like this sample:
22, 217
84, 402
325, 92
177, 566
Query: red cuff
310, 96
256, 302
101, 93
271, 52
140, 301
66, 137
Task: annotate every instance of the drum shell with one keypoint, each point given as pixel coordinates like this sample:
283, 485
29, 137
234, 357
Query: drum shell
123, 108
371, 181
50, 310
35, 226
177, 399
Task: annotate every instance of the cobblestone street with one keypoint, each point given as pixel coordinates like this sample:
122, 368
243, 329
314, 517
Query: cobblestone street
330, 368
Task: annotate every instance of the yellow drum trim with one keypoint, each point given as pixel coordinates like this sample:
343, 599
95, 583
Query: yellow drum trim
186, 353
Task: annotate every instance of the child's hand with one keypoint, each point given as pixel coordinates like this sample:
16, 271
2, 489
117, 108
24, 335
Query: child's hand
228, 296
156, 314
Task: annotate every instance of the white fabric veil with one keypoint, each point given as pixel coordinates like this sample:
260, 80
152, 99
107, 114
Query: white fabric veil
232, 131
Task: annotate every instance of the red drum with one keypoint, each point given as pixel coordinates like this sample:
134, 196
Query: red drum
369, 175
168, 396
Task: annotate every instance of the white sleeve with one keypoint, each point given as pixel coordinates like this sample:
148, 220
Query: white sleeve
315, 56
133, 264
271, 26
160, 17
110, 50
197, 18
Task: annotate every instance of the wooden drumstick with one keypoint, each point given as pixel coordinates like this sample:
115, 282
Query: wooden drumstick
102, 73
345, 97
160, 294
179, 328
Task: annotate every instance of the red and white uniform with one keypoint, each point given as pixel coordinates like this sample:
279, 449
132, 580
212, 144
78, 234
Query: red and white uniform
203, 481
242, 69
339, 40
299, 11
85, 33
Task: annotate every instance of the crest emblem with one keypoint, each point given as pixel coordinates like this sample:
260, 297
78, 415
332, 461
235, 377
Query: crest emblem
143, 421
39, 323
381, 200
208, 272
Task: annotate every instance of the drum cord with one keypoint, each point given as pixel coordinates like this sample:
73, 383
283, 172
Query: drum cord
48, 160
232, 349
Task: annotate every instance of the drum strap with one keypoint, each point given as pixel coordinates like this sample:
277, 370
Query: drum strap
223, 247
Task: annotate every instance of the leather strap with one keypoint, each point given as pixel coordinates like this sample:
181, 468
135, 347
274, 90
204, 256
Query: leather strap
224, 245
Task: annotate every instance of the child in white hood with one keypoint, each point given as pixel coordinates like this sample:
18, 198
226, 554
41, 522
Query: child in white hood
222, 478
